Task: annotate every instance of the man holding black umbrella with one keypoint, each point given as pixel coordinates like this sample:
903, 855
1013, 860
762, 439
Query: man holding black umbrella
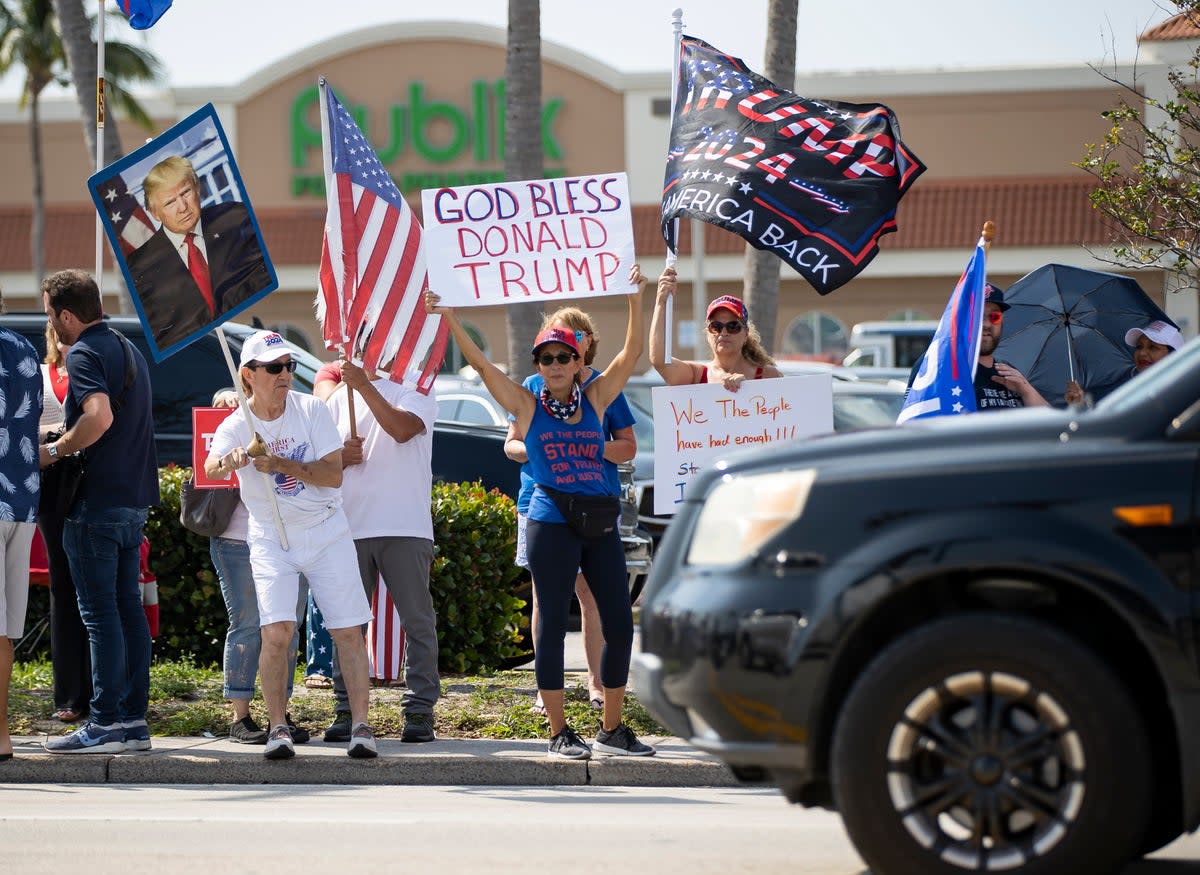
999, 386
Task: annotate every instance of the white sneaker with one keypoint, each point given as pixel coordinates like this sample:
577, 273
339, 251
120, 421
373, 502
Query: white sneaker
362, 743
279, 744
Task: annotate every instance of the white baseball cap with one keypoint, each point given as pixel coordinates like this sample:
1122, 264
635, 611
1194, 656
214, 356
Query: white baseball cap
1159, 332
264, 346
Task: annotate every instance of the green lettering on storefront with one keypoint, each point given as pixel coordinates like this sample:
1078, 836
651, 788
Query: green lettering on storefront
436, 131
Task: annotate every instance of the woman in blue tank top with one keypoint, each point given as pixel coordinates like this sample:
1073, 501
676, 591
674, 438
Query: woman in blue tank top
564, 439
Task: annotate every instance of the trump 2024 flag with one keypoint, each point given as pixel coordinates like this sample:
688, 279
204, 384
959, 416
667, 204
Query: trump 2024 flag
945, 381
816, 182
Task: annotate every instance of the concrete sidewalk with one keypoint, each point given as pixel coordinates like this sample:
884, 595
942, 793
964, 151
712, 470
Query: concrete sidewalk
452, 761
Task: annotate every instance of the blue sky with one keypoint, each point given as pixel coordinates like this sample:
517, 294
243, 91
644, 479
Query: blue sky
220, 42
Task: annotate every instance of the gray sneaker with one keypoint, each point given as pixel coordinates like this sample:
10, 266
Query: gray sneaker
279, 744
569, 746
362, 743
621, 742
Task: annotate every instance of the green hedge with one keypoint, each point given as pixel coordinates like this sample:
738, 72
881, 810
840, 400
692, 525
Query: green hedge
476, 587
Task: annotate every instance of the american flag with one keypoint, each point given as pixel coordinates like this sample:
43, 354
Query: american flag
372, 261
132, 224
944, 381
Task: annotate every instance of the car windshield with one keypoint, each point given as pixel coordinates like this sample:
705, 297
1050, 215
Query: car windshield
866, 410
1134, 390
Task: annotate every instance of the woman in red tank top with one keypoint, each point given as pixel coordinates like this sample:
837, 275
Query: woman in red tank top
737, 352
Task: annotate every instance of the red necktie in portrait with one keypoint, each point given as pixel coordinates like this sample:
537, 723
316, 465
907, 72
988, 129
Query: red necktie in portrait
198, 268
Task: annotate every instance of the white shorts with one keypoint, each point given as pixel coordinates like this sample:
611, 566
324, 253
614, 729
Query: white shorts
325, 555
15, 541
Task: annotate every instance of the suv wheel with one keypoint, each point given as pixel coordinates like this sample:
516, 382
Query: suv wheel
991, 742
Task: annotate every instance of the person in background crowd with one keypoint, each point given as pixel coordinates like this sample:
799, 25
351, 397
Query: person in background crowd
620, 446
1151, 343
998, 385
231, 559
20, 403
302, 496
69, 659
737, 352
565, 444
108, 413
387, 483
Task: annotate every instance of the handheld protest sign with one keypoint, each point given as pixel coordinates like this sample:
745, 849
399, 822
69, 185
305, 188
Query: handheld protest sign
548, 240
183, 232
204, 424
696, 425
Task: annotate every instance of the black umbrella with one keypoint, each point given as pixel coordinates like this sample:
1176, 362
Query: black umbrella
1069, 323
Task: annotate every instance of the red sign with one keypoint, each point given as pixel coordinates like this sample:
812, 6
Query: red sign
204, 425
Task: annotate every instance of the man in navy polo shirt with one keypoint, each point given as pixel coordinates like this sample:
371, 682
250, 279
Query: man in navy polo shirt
108, 415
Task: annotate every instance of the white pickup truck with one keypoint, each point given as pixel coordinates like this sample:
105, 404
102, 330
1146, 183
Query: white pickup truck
888, 349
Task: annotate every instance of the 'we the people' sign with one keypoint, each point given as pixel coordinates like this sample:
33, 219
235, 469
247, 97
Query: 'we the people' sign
696, 425
533, 240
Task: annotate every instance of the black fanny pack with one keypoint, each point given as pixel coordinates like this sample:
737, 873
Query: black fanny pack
589, 516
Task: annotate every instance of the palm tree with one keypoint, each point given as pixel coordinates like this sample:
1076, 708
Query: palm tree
523, 149
30, 40
761, 277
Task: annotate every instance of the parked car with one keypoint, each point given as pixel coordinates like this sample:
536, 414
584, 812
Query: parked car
185, 380
974, 637
857, 404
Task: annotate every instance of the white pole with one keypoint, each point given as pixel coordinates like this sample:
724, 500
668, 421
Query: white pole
245, 408
672, 254
100, 97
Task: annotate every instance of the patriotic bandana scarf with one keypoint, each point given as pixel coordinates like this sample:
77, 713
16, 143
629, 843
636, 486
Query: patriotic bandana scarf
562, 410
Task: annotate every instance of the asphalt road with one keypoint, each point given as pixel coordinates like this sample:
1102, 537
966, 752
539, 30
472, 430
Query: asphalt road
250, 829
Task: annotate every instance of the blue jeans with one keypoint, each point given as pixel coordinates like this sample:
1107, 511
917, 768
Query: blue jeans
102, 547
243, 640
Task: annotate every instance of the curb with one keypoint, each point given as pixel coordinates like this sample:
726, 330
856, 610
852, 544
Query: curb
473, 762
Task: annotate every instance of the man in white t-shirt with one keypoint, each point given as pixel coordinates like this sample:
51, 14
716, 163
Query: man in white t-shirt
294, 491
386, 484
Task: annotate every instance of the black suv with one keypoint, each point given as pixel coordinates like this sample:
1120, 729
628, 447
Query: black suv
974, 637
185, 380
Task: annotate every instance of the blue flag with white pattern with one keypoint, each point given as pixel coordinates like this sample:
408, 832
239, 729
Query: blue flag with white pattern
945, 381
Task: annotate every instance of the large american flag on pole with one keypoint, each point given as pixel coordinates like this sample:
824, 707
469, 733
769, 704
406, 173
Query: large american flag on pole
372, 261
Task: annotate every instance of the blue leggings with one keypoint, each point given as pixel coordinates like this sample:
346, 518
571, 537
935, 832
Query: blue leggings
555, 553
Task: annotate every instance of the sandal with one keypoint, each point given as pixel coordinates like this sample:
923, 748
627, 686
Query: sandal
66, 715
537, 707
318, 682
597, 703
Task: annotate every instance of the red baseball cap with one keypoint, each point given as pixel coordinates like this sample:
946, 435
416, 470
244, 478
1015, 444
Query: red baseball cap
728, 302
556, 335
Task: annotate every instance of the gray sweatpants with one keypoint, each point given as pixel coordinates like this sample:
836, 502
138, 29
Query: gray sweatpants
404, 565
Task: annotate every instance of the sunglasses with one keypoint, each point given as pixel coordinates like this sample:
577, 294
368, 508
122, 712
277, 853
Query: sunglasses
733, 326
995, 317
276, 368
562, 358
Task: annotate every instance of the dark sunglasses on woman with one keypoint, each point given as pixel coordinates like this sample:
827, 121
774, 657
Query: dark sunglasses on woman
562, 358
276, 368
733, 326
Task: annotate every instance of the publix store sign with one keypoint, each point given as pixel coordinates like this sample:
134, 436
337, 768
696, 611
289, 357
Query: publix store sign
422, 131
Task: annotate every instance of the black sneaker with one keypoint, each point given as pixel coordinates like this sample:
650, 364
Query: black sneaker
339, 729
569, 746
418, 728
246, 731
621, 742
300, 735
279, 744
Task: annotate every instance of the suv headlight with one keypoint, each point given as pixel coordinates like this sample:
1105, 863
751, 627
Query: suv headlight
743, 513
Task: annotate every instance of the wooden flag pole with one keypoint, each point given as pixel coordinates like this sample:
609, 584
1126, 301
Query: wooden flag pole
100, 142
350, 407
